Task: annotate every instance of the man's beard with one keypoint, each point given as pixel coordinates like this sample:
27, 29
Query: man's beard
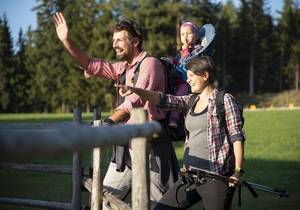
122, 57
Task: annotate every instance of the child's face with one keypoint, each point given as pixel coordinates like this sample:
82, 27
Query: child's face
187, 36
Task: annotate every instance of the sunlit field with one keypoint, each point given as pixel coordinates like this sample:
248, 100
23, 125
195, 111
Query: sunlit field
272, 159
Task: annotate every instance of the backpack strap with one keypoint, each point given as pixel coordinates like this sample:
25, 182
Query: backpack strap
164, 63
220, 108
192, 100
122, 80
137, 70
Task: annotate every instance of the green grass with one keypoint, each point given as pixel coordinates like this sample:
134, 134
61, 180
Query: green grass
43, 117
272, 159
282, 99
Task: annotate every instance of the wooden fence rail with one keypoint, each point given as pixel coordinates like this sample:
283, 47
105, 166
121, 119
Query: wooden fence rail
27, 142
44, 168
36, 203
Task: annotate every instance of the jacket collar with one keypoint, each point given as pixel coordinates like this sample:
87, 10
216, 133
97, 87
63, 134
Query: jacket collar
137, 59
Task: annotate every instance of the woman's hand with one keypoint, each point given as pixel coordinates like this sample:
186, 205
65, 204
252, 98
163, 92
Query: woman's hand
124, 90
61, 26
235, 179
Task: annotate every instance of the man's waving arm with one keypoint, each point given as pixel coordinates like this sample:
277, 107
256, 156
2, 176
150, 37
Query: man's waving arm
62, 31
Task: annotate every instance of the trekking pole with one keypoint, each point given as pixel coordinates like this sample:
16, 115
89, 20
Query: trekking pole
281, 193
250, 185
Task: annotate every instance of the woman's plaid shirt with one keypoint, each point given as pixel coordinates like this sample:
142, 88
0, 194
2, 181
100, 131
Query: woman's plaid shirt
221, 155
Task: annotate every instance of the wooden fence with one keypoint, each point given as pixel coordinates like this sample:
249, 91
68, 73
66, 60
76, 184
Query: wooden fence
17, 143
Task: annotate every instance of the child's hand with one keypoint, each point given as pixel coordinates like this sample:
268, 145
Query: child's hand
184, 46
124, 90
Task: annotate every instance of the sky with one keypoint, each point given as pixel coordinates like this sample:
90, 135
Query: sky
20, 15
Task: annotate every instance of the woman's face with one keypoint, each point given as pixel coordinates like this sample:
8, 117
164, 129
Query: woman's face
197, 82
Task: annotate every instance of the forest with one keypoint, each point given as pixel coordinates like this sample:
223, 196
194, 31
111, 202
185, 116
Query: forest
254, 52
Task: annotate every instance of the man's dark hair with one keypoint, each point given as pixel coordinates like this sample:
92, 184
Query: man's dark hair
202, 64
133, 29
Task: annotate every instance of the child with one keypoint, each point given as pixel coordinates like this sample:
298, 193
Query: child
189, 39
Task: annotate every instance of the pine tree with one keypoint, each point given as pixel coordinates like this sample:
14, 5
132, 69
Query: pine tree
288, 36
50, 65
6, 64
21, 79
224, 47
107, 13
263, 42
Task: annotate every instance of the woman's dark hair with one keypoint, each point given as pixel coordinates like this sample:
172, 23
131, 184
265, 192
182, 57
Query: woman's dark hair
202, 64
132, 28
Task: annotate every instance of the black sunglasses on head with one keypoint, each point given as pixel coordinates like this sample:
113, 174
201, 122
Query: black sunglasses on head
130, 27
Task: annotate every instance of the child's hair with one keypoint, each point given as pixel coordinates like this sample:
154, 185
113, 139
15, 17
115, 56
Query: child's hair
192, 25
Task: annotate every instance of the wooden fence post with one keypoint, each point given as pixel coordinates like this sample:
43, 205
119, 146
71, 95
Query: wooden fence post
97, 184
77, 171
140, 166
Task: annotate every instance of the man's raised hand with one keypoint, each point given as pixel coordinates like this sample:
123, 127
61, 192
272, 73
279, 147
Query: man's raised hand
61, 26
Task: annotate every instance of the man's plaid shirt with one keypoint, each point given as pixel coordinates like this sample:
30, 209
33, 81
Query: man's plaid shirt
221, 157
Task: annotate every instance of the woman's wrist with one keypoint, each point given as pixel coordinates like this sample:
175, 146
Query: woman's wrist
239, 170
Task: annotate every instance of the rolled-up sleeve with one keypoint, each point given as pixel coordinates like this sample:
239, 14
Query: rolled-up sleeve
175, 103
104, 69
233, 119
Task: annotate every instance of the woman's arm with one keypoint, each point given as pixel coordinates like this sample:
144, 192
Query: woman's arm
236, 136
151, 96
238, 150
165, 101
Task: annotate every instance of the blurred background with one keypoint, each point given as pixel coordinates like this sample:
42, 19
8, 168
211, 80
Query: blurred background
257, 49
257, 53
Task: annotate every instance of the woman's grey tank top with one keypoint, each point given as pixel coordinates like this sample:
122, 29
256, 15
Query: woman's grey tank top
196, 154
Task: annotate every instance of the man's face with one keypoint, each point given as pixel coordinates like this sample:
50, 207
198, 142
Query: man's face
123, 45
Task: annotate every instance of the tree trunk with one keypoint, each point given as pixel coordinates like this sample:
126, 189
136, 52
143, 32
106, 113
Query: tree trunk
251, 72
223, 65
281, 68
297, 76
178, 45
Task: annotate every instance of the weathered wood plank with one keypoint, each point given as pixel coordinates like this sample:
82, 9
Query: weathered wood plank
44, 168
114, 202
77, 171
96, 162
35, 203
34, 125
28, 143
76, 182
140, 166
96, 194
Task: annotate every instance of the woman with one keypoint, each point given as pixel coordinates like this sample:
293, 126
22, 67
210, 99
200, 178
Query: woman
209, 145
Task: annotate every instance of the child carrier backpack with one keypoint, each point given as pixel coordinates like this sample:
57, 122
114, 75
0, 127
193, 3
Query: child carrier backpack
207, 35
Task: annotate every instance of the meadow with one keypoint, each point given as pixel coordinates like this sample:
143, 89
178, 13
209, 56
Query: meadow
272, 158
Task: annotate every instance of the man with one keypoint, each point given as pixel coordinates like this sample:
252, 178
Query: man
127, 43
